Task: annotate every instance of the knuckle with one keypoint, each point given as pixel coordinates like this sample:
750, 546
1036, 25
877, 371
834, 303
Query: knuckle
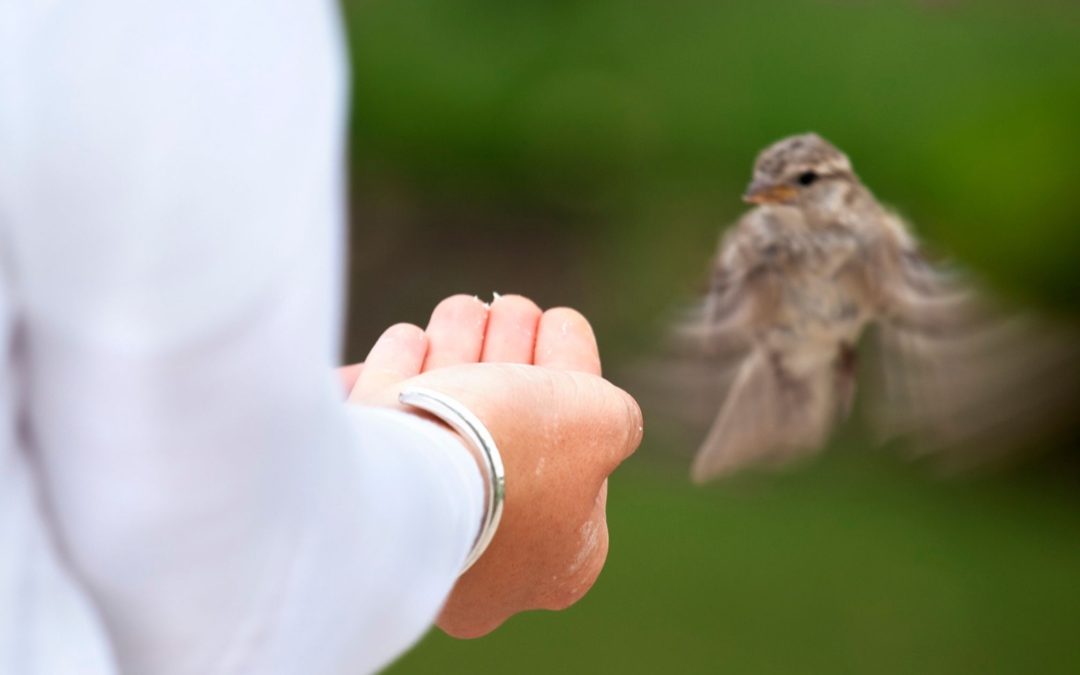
626, 426
634, 423
602, 417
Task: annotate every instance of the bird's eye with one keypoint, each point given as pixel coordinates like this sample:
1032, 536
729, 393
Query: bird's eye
807, 178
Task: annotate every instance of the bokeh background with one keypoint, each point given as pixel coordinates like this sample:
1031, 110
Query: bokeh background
589, 152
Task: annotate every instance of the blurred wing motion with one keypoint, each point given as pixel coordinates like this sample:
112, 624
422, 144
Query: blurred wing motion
707, 342
797, 282
963, 379
946, 369
783, 397
767, 418
792, 380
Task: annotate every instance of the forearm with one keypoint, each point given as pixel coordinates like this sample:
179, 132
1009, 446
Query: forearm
177, 240
228, 508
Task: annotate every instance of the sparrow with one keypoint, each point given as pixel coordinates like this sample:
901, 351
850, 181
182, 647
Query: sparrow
795, 285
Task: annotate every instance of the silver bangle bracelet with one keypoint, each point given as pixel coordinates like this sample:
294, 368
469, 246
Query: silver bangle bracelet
461, 420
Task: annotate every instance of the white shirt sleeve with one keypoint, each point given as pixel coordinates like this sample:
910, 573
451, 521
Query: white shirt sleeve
170, 211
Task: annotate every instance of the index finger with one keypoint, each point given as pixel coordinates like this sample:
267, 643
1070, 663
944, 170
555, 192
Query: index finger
565, 341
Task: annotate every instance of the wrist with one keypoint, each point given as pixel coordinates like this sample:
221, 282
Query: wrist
452, 413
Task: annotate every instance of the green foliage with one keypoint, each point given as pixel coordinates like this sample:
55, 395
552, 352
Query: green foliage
624, 131
961, 113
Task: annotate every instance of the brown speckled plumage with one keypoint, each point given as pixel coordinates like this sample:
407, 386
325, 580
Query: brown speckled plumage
794, 286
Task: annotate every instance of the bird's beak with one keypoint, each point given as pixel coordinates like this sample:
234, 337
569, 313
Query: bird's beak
762, 192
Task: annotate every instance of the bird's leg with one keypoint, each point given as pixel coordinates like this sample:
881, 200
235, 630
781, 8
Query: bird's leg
846, 365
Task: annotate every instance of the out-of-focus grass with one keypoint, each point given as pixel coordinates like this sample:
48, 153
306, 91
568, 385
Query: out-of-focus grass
857, 565
614, 137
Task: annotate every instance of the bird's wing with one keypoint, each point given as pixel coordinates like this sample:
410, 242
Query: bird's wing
687, 378
957, 373
744, 286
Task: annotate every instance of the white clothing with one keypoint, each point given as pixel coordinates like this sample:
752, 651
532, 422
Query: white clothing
182, 489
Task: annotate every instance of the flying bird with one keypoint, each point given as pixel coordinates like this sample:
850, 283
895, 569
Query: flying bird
797, 282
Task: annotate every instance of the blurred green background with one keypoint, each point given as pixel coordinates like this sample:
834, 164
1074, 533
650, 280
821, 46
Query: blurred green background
589, 152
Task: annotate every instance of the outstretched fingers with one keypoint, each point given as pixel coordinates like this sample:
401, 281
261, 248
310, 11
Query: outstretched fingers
455, 332
565, 341
397, 355
512, 325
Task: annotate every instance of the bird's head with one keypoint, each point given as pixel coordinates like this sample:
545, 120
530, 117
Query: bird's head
803, 171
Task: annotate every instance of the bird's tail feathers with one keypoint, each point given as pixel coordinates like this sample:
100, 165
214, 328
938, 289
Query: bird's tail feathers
770, 417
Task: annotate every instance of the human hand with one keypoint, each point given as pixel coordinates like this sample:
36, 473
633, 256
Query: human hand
561, 430
462, 329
